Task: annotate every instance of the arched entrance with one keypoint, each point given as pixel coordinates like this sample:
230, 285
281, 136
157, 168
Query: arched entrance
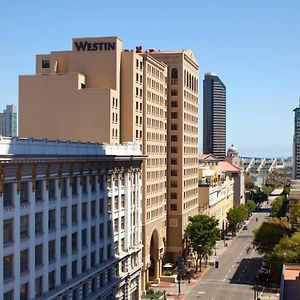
154, 271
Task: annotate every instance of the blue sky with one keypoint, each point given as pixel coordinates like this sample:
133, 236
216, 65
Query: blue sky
254, 46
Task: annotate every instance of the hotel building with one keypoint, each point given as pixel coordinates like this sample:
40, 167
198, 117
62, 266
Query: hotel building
71, 220
98, 92
182, 129
214, 116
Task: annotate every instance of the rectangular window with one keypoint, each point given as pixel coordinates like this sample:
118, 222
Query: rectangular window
63, 246
122, 223
174, 115
174, 126
84, 184
74, 186
93, 259
24, 192
84, 211
74, 268
63, 274
174, 104
173, 149
173, 196
9, 295
38, 286
51, 280
8, 231
39, 223
7, 267
174, 92
173, 207
83, 264
51, 250
173, 138
7, 195
45, 63
74, 241
101, 207
24, 292
93, 234
51, 220
101, 231
101, 255
74, 214
173, 161
24, 227
63, 188
52, 195
63, 217
24, 261
38, 255
93, 209
39, 190
84, 238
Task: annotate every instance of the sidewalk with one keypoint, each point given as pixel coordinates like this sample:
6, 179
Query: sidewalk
185, 287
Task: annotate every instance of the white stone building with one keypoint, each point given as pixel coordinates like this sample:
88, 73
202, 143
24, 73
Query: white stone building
71, 220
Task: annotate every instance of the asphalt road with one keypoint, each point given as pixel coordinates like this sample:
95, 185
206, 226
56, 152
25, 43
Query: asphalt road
235, 277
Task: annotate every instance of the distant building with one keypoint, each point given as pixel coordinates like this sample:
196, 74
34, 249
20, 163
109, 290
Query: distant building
296, 144
214, 116
215, 190
232, 167
8, 121
71, 220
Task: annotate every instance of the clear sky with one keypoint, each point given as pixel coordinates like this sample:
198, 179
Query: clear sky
254, 46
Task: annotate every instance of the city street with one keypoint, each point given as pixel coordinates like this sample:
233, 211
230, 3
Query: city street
234, 278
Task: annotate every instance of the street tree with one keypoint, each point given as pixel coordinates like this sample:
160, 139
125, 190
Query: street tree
249, 184
202, 233
279, 207
251, 205
295, 216
236, 215
286, 251
270, 233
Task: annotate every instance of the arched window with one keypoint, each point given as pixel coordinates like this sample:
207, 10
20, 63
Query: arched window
174, 76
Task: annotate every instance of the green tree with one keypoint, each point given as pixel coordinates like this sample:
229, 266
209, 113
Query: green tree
236, 215
249, 184
270, 233
295, 215
286, 251
279, 207
202, 233
251, 205
268, 189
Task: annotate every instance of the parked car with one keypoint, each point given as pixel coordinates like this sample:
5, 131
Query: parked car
245, 227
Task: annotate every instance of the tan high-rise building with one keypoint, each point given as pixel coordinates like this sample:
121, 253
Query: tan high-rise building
182, 180
99, 92
144, 117
75, 95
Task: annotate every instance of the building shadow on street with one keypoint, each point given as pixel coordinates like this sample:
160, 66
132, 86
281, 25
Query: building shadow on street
246, 271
